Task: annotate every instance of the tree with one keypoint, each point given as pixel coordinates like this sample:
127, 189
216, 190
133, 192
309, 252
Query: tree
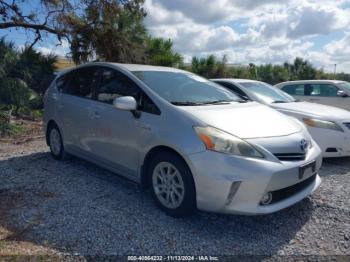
14, 14
22, 75
36, 69
300, 69
209, 67
160, 52
13, 90
108, 30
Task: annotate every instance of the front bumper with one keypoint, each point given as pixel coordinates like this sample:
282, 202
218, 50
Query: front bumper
214, 174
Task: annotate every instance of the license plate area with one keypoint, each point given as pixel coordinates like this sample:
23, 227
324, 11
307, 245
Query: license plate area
307, 170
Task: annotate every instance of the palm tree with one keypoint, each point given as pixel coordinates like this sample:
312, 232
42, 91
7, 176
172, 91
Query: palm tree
160, 52
14, 92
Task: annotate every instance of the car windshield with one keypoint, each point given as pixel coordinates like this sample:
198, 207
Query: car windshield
183, 88
346, 86
267, 93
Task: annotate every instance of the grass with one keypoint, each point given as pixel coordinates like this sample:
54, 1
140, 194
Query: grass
63, 63
11, 130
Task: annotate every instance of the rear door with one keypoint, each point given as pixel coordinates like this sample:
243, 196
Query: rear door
75, 107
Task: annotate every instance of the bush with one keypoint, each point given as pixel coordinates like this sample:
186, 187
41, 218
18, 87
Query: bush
25, 75
11, 130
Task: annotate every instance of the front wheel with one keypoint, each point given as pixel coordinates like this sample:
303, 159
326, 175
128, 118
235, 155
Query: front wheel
172, 185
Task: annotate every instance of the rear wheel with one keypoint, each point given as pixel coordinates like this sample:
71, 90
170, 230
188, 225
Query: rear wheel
56, 143
172, 185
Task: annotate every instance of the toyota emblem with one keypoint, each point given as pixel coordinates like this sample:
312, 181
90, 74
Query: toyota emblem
303, 145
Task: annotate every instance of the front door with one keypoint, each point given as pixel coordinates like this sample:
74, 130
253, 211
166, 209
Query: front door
116, 132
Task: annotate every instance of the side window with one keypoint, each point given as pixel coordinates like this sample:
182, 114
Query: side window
233, 88
115, 84
325, 90
61, 83
296, 90
82, 82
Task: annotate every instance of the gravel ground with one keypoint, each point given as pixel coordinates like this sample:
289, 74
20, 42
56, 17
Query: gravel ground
78, 208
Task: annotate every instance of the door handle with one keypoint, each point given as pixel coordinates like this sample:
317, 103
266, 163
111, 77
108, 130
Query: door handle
146, 127
96, 115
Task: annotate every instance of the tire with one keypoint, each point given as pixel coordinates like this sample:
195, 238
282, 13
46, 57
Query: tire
56, 143
172, 184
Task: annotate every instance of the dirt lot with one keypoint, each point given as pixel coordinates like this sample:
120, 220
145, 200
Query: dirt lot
73, 207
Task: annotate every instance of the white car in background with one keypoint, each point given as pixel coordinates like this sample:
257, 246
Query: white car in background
327, 92
329, 126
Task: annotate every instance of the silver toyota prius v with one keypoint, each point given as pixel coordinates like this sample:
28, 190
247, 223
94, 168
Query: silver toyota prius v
192, 142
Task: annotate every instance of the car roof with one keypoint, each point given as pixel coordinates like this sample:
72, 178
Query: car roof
128, 67
132, 67
321, 81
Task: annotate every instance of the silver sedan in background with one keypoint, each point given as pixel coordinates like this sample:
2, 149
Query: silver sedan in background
327, 92
193, 142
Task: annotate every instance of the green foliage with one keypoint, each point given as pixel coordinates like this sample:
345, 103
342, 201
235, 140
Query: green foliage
11, 130
160, 52
209, 67
24, 76
36, 69
300, 69
109, 30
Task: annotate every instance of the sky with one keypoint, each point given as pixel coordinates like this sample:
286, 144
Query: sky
246, 31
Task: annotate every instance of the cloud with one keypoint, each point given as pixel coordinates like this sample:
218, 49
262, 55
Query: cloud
253, 31
339, 50
59, 50
264, 31
313, 20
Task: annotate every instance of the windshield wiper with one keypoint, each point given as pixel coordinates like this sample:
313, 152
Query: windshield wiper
279, 102
190, 103
215, 102
186, 103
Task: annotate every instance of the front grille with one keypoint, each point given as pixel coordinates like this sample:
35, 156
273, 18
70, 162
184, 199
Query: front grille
286, 192
290, 156
347, 125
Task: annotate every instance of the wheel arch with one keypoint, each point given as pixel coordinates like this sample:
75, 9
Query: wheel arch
153, 152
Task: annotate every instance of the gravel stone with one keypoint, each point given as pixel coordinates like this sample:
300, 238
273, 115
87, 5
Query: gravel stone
77, 208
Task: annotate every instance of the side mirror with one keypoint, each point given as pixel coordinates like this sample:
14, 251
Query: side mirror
342, 93
127, 103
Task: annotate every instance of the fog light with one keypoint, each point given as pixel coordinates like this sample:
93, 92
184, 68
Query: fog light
266, 199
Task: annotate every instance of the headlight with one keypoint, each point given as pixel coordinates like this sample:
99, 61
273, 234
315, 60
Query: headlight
322, 124
219, 141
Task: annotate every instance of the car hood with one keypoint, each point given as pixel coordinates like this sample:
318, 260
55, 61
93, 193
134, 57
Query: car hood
245, 120
313, 109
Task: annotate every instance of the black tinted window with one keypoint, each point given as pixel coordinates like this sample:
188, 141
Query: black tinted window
82, 82
62, 82
115, 84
